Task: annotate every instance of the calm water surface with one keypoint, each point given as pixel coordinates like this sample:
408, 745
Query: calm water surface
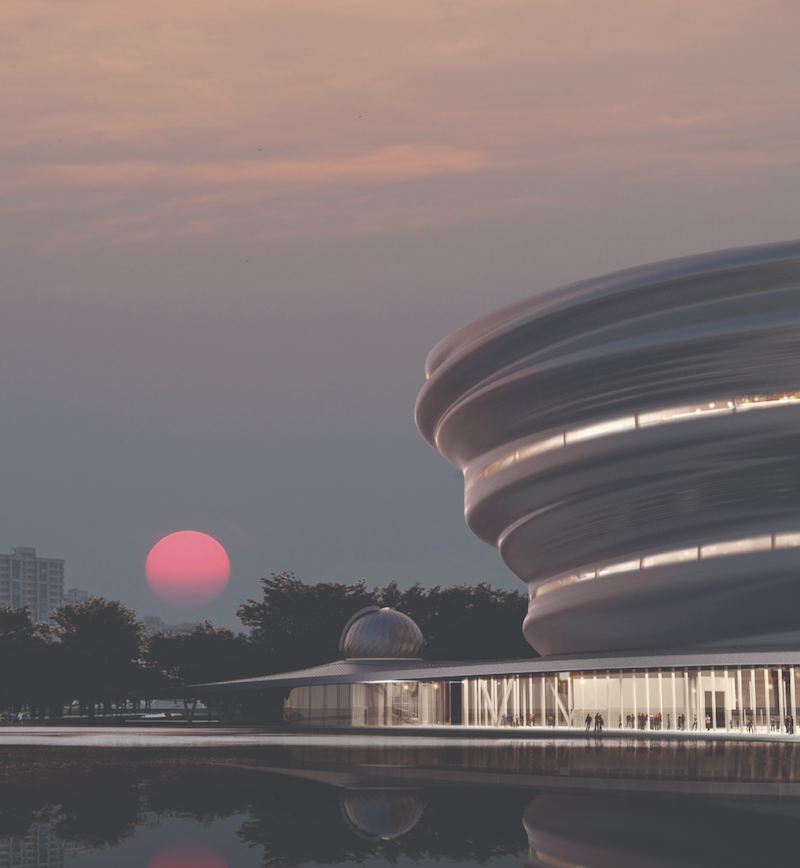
562, 803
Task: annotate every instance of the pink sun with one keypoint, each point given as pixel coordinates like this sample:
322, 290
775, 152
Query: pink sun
187, 856
187, 568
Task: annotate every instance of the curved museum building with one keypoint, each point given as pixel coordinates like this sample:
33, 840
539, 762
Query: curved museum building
631, 446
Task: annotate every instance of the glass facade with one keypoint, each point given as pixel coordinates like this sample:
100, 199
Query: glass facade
392, 703
727, 699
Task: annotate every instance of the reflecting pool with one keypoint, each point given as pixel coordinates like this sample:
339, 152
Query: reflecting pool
588, 803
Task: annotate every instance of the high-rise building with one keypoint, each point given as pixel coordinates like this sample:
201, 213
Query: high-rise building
28, 580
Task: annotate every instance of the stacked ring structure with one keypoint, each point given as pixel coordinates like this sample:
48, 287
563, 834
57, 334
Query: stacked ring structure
642, 430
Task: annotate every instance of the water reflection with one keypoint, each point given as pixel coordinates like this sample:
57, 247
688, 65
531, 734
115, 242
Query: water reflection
582, 803
380, 815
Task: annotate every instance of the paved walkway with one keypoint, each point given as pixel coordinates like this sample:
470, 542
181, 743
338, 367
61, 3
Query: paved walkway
200, 735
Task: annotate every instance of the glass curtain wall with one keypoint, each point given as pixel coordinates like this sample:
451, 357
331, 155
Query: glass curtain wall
401, 703
727, 699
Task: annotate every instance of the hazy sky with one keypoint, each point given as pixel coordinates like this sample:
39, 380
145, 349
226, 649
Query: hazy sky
231, 233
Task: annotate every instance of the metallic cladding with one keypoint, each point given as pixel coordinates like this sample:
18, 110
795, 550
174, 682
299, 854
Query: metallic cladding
682, 332
382, 633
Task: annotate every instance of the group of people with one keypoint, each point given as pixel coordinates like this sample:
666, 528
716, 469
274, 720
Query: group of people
598, 722
517, 720
637, 721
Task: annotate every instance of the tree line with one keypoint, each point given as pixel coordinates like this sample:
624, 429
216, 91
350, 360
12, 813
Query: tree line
94, 653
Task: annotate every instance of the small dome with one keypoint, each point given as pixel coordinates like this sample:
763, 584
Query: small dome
375, 632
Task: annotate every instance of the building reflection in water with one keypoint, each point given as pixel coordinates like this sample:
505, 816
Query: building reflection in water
589, 803
598, 830
381, 814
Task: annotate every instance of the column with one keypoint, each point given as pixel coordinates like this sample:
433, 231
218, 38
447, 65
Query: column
608, 699
698, 699
674, 718
713, 701
661, 698
647, 697
570, 700
515, 696
621, 702
781, 702
767, 703
792, 696
687, 711
543, 699
753, 696
635, 707
740, 703
727, 699
555, 700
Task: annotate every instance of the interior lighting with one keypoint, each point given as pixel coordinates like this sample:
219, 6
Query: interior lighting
563, 676
435, 685
603, 428
405, 687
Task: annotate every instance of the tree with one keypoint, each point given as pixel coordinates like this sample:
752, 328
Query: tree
298, 625
22, 649
206, 654
101, 641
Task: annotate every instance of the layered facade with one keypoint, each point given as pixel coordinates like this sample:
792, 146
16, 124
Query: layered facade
630, 445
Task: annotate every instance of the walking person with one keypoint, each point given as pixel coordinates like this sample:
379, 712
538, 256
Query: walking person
588, 721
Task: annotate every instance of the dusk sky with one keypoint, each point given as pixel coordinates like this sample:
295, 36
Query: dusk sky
232, 232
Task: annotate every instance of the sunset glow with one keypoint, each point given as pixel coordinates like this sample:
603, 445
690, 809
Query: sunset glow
187, 568
186, 855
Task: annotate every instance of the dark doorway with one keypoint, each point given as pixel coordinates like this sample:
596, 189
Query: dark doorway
716, 710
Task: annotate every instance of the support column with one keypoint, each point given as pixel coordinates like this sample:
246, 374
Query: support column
740, 703
660, 699
727, 700
608, 699
635, 707
570, 701
792, 696
767, 703
647, 698
753, 696
543, 700
674, 718
781, 702
555, 701
189, 711
687, 711
229, 709
713, 701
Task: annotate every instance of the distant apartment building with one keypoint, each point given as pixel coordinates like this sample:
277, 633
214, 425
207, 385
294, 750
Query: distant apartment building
75, 595
28, 580
153, 624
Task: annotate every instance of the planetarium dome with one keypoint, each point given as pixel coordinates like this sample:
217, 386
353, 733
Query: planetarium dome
380, 633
